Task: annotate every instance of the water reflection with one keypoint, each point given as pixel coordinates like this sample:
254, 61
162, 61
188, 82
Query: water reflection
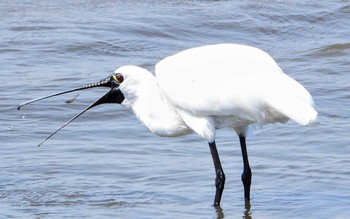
246, 215
219, 212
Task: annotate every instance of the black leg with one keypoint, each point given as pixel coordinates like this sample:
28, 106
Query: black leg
220, 176
247, 173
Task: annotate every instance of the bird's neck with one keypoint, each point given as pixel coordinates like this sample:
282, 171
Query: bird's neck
153, 108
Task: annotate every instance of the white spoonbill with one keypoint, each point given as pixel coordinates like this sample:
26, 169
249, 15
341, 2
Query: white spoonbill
206, 88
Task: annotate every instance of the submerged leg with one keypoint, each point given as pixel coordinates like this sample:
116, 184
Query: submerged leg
220, 176
247, 173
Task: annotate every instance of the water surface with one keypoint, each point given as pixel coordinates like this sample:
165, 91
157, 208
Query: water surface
106, 164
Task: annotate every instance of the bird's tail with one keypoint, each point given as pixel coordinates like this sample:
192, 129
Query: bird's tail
299, 110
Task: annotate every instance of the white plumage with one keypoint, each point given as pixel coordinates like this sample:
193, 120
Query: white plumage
215, 86
206, 88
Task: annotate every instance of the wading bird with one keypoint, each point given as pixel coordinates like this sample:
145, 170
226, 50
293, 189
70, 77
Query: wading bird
206, 88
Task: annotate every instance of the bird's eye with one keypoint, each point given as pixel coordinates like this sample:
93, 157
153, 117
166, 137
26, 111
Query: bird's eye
118, 77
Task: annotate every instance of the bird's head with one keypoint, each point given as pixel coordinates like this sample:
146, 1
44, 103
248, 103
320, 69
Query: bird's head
113, 96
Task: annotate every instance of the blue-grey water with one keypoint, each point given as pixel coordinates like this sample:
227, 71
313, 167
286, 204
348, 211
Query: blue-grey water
107, 165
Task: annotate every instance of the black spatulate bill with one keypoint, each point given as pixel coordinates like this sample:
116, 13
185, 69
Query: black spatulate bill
113, 96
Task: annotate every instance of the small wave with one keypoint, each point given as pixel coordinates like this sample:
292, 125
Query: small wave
337, 49
33, 27
96, 48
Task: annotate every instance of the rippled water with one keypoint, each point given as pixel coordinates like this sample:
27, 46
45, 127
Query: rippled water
106, 164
